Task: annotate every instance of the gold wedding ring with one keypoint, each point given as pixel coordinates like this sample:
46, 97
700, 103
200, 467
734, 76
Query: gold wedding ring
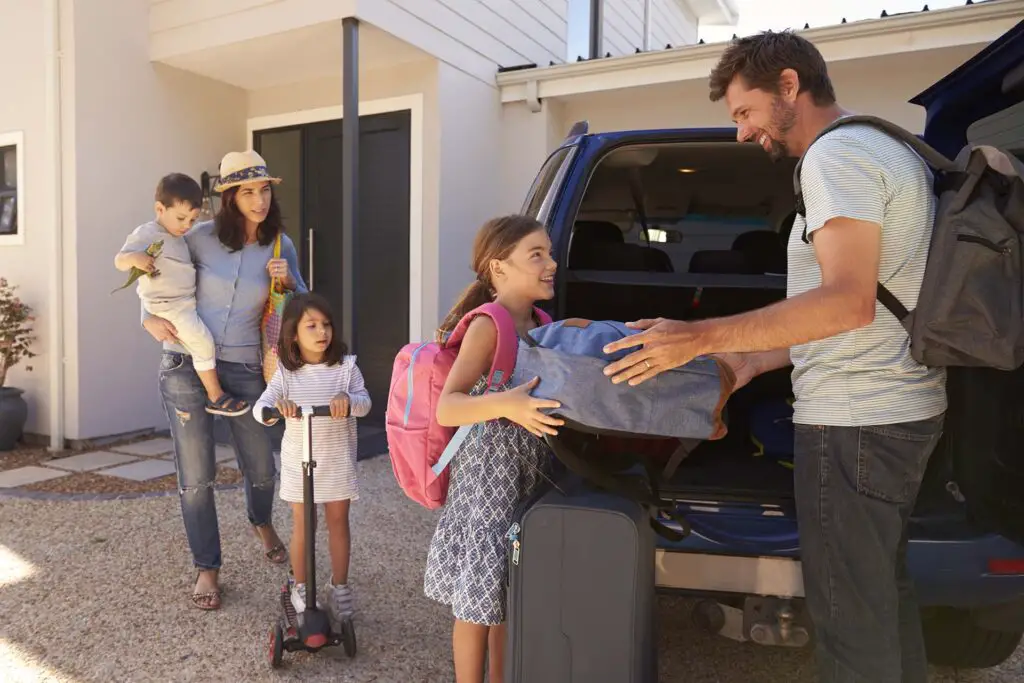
647, 363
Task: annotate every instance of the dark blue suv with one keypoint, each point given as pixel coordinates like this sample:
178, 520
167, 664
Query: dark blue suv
689, 224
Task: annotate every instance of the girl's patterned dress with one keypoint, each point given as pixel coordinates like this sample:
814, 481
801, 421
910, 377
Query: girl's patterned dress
497, 466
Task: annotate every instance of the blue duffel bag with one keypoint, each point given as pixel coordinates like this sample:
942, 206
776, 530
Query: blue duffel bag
568, 356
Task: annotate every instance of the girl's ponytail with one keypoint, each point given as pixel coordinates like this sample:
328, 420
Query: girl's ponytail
474, 296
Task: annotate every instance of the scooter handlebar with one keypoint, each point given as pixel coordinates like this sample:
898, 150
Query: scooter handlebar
275, 414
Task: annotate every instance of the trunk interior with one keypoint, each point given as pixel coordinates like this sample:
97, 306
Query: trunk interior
718, 218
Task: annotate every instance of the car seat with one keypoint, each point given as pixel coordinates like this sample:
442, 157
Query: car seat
600, 245
764, 251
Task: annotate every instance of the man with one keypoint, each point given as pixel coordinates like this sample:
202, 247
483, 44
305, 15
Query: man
867, 416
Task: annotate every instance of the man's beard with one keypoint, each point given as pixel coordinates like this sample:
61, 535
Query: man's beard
783, 120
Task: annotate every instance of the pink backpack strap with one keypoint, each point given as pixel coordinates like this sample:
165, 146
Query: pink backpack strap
508, 340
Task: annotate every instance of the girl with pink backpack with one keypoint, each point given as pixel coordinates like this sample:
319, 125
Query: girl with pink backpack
503, 458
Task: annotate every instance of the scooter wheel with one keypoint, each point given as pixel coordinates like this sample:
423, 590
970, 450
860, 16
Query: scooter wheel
275, 651
348, 637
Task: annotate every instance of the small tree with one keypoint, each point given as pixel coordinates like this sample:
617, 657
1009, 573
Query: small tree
15, 329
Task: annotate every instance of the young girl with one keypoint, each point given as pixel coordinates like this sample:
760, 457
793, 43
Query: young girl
315, 370
503, 460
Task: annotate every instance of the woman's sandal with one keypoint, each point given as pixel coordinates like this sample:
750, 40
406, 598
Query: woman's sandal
207, 601
278, 554
228, 406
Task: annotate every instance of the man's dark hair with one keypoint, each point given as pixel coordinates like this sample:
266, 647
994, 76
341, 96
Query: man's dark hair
178, 187
760, 60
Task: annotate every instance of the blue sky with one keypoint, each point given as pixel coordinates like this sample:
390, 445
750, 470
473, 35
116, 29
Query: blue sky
756, 15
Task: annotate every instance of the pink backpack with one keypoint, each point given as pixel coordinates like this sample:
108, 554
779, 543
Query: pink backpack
421, 448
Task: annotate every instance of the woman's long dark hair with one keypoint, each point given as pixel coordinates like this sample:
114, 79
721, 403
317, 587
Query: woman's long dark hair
288, 343
230, 223
497, 239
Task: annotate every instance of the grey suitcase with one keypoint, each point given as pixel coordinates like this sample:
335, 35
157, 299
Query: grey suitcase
581, 593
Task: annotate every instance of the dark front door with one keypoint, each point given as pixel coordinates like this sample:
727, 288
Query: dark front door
382, 280
381, 324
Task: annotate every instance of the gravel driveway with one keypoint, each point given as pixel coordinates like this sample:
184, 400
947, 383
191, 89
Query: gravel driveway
98, 592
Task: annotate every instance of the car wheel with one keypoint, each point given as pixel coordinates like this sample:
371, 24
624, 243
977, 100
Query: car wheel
953, 639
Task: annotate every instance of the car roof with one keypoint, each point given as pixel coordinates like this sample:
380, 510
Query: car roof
989, 82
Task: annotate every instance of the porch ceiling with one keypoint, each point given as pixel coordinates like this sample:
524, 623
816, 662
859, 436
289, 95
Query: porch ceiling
298, 55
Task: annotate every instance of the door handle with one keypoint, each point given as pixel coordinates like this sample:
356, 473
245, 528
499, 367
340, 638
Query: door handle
310, 265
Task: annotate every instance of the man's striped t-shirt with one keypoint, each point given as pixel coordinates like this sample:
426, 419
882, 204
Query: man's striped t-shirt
865, 376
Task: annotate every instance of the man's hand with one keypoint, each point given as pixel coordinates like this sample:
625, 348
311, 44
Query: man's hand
667, 344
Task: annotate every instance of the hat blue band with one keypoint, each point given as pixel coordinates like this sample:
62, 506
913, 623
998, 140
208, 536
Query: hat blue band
250, 173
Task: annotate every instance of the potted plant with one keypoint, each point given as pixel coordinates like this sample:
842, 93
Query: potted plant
15, 337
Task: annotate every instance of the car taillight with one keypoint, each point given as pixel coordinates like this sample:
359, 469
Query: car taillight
1006, 567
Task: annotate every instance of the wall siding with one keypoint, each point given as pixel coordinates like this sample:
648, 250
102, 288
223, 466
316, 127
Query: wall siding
671, 24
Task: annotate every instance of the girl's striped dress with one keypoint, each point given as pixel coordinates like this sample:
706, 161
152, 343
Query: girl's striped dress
334, 441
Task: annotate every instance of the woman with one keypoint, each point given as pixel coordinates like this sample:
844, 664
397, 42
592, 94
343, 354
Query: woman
234, 263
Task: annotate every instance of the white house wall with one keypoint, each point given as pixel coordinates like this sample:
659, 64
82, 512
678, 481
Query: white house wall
23, 108
671, 24
508, 32
470, 176
527, 139
475, 36
135, 121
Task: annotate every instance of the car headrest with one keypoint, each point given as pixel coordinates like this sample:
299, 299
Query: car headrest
764, 250
598, 231
720, 261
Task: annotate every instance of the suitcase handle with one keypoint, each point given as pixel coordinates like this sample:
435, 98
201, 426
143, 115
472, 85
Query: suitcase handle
315, 411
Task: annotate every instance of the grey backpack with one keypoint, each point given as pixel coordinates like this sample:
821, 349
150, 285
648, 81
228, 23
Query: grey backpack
969, 312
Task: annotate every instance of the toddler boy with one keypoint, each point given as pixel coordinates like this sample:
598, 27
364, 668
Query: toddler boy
169, 288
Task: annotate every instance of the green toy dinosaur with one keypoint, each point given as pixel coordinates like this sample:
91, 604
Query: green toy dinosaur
134, 274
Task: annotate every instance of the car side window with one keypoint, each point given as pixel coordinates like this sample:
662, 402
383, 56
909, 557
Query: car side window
541, 198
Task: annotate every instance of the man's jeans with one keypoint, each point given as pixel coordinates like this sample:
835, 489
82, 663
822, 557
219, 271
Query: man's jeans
192, 432
855, 489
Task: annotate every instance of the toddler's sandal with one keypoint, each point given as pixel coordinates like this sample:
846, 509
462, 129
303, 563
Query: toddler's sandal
228, 406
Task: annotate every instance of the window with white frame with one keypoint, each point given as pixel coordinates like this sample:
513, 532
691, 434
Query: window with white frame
12, 180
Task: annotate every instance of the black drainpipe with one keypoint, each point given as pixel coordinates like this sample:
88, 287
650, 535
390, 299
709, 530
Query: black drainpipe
596, 28
349, 177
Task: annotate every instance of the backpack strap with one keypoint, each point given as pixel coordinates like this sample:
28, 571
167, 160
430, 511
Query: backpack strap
451, 449
936, 160
502, 366
508, 340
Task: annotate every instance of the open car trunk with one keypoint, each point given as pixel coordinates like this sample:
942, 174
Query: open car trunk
697, 230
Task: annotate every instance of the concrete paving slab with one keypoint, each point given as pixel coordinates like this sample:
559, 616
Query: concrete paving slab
23, 476
150, 448
85, 462
143, 470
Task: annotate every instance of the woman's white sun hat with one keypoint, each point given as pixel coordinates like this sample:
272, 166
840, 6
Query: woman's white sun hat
239, 168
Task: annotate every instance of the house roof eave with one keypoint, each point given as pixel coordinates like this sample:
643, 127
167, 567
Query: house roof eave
967, 25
